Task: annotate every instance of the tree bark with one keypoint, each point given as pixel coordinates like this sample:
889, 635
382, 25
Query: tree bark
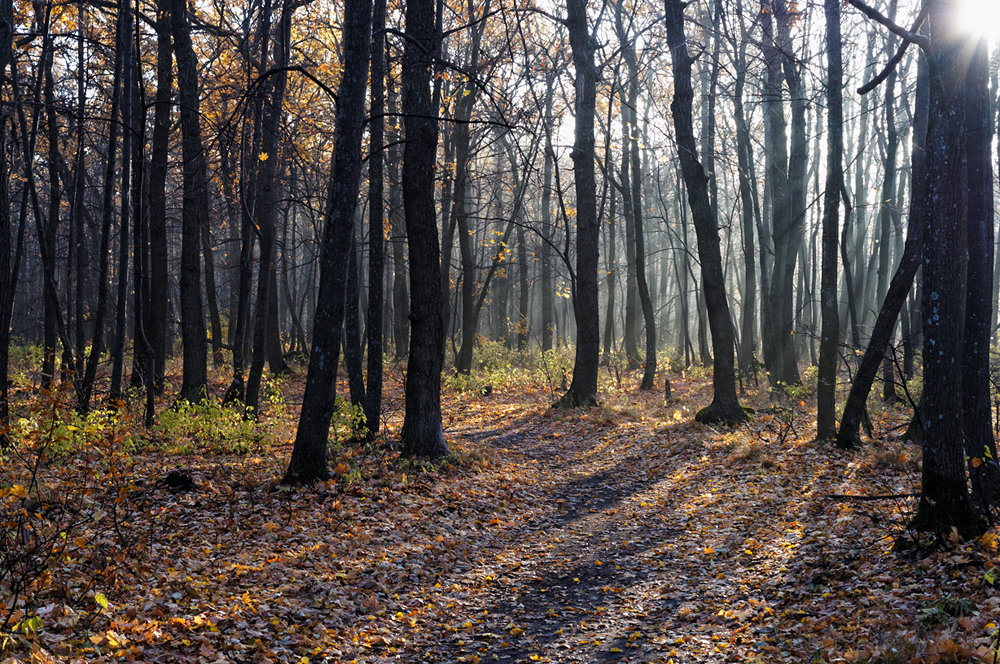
826, 389
583, 389
725, 407
194, 212
422, 433
308, 462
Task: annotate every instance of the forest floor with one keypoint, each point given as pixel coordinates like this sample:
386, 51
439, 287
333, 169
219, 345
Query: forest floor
624, 534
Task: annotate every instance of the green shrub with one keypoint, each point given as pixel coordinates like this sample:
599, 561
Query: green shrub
207, 425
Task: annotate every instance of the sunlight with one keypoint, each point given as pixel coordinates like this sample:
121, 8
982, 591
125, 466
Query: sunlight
981, 17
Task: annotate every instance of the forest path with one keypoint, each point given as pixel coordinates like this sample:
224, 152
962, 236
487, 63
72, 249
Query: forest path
633, 538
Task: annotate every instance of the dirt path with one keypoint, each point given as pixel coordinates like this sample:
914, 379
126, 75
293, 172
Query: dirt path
606, 564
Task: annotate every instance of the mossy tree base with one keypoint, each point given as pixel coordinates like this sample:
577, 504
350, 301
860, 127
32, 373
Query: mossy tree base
572, 400
727, 414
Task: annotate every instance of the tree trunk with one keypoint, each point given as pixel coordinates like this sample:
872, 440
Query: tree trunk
902, 279
422, 433
376, 222
194, 212
583, 389
725, 406
945, 503
308, 462
826, 387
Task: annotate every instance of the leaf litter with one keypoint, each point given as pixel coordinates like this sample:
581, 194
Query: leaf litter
626, 534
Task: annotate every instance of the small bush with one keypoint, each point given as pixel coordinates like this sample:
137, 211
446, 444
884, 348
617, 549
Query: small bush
207, 425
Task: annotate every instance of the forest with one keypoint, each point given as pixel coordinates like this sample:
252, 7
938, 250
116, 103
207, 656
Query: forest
499, 331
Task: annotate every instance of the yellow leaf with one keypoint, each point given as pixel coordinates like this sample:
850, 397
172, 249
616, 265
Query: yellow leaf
19, 491
101, 600
263, 156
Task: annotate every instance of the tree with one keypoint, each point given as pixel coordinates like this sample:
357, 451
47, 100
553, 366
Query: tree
422, 433
826, 390
308, 462
725, 406
194, 212
945, 503
583, 389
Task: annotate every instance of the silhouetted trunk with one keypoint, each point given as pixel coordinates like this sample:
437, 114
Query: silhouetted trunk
6, 291
376, 223
265, 211
422, 433
50, 298
945, 503
308, 462
128, 130
194, 213
353, 355
725, 406
159, 283
976, 415
826, 386
583, 389
86, 390
548, 295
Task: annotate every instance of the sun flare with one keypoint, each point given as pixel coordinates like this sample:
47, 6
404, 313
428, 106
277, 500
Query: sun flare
981, 17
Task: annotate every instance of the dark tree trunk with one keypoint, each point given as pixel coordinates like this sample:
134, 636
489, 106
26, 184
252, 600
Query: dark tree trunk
265, 212
397, 236
308, 462
86, 389
548, 295
583, 389
50, 299
194, 213
976, 406
159, 283
945, 503
422, 433
725, 406
353, 354
826, 389
128, 130
376, 223
6, 280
